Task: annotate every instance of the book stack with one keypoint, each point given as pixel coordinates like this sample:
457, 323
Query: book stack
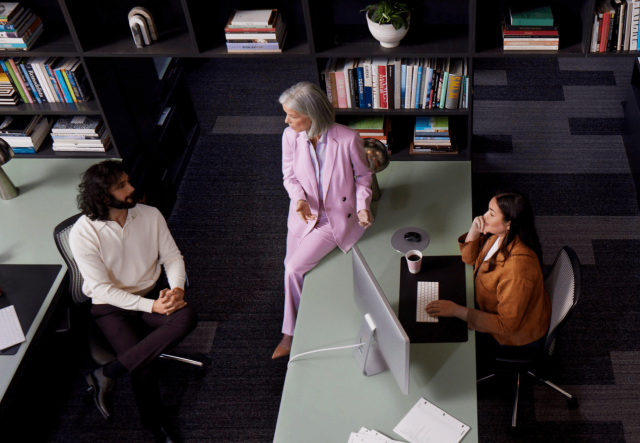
529, 29
431, 136
615, 26
377, 127
8, 95
255, 31
408, 83
48, 79
80, 133
19, 27
25, 133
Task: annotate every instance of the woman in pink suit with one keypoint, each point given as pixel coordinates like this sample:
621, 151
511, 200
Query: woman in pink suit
329, 183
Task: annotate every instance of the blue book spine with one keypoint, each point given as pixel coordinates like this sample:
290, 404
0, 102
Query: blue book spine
418, 87
361, 98
52, 79
36, 83
403, 84
33, 88
431, 138
63, 85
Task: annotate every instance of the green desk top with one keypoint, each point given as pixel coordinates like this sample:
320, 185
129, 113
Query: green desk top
325, 396
48, 190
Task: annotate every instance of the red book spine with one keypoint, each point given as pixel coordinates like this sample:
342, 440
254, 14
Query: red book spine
604, 36
382, 77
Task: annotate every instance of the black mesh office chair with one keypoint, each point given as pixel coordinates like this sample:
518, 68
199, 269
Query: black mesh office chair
99, 348
562, 282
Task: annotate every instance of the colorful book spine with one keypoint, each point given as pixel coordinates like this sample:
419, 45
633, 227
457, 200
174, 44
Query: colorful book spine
20, 77
382, 81
368, 84
75, 86
419, 87
54, 82
14, 81
443, 93
27, 78
403, 84
35, 82
361, 95
66, 80
63, 85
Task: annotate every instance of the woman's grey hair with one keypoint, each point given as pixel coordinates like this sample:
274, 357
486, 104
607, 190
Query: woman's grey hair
308, 99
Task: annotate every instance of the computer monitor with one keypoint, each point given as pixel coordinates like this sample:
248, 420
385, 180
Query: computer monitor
385, 344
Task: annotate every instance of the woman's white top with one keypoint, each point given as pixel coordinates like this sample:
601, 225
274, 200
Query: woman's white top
493, 249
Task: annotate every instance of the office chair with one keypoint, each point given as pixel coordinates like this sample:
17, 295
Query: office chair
99, 348
562, 283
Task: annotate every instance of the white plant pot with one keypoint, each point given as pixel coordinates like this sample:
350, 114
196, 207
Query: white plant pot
386, 34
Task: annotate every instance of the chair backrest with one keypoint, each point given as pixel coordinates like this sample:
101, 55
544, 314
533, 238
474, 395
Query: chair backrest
563, 286
61, 237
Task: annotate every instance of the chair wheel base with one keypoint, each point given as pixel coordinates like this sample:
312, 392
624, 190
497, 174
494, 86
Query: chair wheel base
572, 403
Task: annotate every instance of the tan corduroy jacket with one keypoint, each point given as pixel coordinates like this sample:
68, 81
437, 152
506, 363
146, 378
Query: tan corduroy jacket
513, 291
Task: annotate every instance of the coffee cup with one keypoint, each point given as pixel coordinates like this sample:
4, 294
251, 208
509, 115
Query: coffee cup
414, 261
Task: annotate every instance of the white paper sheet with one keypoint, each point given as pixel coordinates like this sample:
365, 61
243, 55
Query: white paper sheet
426, 423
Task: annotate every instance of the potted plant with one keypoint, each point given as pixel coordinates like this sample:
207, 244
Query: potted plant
388, 22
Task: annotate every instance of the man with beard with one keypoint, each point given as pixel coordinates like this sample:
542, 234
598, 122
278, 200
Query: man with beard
119, 247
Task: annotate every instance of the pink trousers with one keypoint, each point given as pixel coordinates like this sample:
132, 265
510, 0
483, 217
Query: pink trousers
302, 256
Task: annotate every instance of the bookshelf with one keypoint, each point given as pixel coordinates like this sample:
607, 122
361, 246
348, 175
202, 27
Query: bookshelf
130, 97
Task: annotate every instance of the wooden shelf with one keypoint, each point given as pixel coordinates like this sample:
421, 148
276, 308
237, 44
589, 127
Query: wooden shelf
86, 108
425, 41
176, 43
55, 41
46, 151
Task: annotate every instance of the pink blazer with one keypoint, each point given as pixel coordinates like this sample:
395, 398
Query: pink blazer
346, 182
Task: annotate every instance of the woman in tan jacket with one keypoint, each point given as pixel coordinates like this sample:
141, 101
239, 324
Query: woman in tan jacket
504, 249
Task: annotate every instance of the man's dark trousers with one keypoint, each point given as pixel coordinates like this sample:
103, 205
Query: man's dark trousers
138, 338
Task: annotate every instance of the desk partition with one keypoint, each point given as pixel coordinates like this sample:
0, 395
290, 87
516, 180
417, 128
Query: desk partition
325, 396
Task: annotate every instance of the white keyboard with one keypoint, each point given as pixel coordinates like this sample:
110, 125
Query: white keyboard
10, 329
428, 291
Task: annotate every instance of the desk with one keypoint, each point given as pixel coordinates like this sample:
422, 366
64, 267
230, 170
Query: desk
325, 395
48, 190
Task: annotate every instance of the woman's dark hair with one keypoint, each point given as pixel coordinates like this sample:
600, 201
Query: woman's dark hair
94, 189
517, 210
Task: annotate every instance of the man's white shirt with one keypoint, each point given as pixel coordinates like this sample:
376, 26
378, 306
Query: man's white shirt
122, 264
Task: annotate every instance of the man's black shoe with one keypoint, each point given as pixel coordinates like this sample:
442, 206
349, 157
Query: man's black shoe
161, 436
103, 387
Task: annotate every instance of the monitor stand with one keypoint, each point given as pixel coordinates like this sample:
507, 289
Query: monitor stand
368, 355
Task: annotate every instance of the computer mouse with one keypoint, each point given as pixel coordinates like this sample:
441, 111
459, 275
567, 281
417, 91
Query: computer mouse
413, 236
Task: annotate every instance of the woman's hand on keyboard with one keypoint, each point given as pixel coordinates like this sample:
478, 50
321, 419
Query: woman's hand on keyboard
445, 308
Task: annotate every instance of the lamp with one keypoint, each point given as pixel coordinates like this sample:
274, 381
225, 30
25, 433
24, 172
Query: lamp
7, 189
378, 159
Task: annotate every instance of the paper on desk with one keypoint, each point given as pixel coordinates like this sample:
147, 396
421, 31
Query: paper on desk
426, 423
365, 435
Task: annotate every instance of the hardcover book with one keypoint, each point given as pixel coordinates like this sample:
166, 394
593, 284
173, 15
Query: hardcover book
530, 16
81, 124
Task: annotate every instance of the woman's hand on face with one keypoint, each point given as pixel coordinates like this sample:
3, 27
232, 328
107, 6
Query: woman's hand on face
365, 219
443, 308
477, 228
304, 211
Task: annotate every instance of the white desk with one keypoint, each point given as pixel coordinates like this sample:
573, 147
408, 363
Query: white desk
48, 190
325, 395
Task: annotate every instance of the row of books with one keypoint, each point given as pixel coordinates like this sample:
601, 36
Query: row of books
376, 127
408, 83
26, 133
255, 31
529, 29
47, 79
431, 135
615, 26
19, 27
